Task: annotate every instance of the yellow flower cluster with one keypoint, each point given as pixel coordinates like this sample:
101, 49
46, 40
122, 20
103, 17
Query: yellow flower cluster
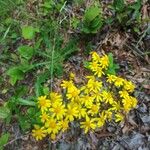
104, 97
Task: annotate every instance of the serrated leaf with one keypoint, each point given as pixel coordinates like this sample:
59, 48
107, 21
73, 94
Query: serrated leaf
3, 140
92, 21
96, 23
26, 51
91, 13
28, 32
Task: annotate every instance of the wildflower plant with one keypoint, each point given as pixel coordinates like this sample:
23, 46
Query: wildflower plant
103, 97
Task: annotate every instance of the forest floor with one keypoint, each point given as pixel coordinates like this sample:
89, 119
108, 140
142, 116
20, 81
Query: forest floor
131, 52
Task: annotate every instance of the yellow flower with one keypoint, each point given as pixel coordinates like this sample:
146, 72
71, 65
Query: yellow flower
72, 76
93, 66
101, 120
124, 94
88, 124
94, 109
43, 103
118, 117
82, 111
66, 84
87, 100
44, 117
98, 72
71, 112
39, 132
107, 97
84, 90
129, 86
97, 96
111, 78
58, 110
127, 104
52, 126
64, 124
55, 97
118, 82
94, 86
90, 78
52, 136
134, 101
73, 93
115, 106
95, 57
104, 61
108, 114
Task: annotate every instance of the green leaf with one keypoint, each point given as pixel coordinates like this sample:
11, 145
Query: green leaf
40, 80
119, 5
112, 66
15, 74
3, 140
96, 23
75, 22
26, 51
28, 32
25, 102
25, 67
111, 60
92, 20
86, 64
45, 90
20, 90
4, 112
24, 123
91, 13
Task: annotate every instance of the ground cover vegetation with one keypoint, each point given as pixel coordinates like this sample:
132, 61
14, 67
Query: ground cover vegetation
37, 41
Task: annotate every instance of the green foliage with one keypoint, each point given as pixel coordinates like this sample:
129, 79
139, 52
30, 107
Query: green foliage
15, 74
127, 14
18, 72
39, 90
75, 22
119, 5
51, 6
26, 51
28, 32
25, 102
112, 66
92, 20
24, 118
3, 140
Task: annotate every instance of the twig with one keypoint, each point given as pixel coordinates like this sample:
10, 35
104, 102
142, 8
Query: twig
12, 141
143, 35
